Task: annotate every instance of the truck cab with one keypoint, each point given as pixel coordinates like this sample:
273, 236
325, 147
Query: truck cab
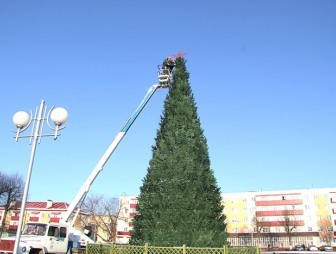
39, 238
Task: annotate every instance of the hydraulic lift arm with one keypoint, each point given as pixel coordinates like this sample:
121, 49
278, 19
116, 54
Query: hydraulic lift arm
69, 217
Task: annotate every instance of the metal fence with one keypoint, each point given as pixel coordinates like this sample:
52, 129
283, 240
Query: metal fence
128, 249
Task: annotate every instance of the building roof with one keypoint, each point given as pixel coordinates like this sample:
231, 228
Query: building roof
47, 205
44, 205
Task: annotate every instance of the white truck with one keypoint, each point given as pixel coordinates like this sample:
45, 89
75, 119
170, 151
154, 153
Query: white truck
40, 237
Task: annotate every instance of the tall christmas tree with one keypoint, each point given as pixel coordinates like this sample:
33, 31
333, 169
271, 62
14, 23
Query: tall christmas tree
179, 201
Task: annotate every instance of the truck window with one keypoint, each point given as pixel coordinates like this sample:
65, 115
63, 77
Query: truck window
53, 231
63, 232
41, 229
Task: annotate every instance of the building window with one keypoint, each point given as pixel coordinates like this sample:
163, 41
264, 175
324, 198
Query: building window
266, 230
126, 210
310, 229
134, 201
235, 230
235, 220
245, 219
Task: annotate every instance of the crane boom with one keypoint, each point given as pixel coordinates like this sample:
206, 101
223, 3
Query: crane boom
57, 236
99, 167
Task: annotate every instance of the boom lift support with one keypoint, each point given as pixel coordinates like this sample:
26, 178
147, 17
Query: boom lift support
58, 235
164, 77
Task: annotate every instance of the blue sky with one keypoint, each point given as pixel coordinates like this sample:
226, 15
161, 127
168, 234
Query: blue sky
262, 74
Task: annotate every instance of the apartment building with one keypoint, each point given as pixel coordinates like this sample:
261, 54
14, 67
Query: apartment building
124, 226
281, 218
48, 211
266, 218
257, 218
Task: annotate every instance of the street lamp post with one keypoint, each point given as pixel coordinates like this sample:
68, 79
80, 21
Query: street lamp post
22, 120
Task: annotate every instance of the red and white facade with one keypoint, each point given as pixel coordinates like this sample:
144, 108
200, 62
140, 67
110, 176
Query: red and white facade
127, 211
270, 213
35, 211
303, 208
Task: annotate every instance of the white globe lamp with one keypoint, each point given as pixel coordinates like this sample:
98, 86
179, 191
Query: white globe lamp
59, 116
21, 119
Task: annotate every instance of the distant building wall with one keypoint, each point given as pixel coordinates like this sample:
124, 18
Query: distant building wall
302, 209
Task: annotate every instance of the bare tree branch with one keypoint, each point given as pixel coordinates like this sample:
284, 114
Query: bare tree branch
103, 215
257, 225
326, 229
11, 191
290, 223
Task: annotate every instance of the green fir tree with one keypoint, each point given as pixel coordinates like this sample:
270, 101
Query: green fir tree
179, 201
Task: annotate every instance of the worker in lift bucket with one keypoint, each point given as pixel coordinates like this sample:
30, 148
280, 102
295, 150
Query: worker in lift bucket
168, 64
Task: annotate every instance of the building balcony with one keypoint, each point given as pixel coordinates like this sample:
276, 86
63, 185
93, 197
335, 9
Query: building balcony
279, 213
280, 223
12, 227
279, 202
123, 233
131, 215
